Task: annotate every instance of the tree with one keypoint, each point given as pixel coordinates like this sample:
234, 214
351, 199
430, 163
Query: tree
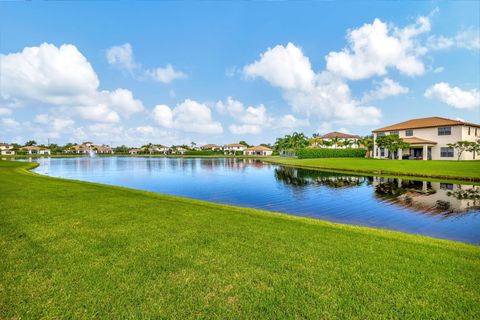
461, 146
335, 141
243, 143
474, 148
315, 141
366, 142
347, 143
392, 143
121, 149
31, 143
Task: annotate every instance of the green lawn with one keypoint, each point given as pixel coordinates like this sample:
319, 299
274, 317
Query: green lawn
462, 170
81, 250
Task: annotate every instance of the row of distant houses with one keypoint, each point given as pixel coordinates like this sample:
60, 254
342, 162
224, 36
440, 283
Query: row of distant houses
8, 150
228, 149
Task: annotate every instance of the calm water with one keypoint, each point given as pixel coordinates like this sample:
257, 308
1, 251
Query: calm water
441, 210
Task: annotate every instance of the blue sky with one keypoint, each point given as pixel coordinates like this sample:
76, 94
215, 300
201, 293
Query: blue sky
220, 72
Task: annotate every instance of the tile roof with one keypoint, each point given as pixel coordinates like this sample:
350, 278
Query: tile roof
425, 123
415, 140
340, 135
258, 148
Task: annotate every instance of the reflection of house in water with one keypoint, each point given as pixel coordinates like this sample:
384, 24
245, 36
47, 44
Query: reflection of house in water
304, 177
434, 197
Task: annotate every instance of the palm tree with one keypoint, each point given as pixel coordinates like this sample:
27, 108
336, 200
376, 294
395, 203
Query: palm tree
335, 141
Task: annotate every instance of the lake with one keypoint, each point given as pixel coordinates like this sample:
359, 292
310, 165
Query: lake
442, 210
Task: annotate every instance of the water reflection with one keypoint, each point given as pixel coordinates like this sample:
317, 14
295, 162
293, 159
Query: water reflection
432, 208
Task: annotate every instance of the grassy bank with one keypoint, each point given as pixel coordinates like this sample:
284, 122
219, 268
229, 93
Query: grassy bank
459, 170
81, 250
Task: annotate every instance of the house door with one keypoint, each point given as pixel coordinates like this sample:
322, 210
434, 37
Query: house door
429, 154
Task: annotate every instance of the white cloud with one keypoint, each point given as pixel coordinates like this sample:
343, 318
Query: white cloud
454, 96
375, 47
122, 56
289, 122
10, 122
5, 112
284, 67
438, 70
165, 75
245, 129
188, 116
62, 77
163, 115
324, 95
385, 88
467, 39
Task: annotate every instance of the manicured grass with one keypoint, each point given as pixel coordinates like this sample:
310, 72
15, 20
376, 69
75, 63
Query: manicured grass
461, 170
81, 250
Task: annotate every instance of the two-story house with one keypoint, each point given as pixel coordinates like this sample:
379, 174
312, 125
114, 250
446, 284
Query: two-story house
429, 138
233, 148
6, 149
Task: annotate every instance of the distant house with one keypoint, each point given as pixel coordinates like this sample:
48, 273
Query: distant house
258, 151
178, 150
211, 146
88, 147
36, 150
6, 149
135, 151
233, 148
429, 138
341, 140
158, 148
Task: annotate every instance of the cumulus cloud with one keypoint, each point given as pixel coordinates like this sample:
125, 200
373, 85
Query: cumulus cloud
385, 88
290, 122
5, 112
121, 56
375, 47
165, 75
454, 96
10, 122
283, 66
467, 39
62, 77
324, 94
188, 116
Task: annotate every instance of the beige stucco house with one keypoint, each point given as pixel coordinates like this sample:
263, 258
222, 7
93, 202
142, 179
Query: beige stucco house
6, 149
36, 150
88, 147
429, 138
233, 147
258, 151
211, 146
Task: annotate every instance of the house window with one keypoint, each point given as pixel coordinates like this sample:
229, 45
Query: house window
468, 130
446, 186
446, 152
394, 133
475, 132
409, 132
382, 152
380, 134
444, 131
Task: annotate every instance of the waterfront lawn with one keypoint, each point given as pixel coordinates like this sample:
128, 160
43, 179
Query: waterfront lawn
73, 249
462, 170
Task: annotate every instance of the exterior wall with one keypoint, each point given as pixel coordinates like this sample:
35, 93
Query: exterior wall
257, 153
470, 136
458, 133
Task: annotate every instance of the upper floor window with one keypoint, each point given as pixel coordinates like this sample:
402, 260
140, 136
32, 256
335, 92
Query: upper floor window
446, 152
469, 130
380, 134
475, 132
409, 132
394, 133
444, 131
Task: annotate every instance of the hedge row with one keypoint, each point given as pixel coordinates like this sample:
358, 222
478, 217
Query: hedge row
203, 153
331, 153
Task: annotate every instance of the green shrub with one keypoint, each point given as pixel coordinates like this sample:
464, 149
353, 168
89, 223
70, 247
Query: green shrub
331, 153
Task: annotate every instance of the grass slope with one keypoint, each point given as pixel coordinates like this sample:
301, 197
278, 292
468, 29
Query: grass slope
461, 170
80, 250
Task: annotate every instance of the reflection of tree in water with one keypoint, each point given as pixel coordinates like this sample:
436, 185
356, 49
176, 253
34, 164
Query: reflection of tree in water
302, 177
467, 194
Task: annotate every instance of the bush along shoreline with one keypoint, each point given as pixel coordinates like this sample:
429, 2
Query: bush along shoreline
305, 153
